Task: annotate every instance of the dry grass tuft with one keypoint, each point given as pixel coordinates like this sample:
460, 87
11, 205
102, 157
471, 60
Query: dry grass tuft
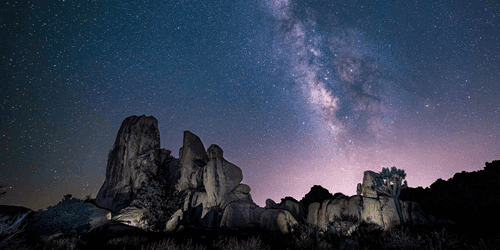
233, 243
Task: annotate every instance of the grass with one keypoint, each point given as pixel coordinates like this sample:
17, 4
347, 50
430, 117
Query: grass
343, 233
11, 230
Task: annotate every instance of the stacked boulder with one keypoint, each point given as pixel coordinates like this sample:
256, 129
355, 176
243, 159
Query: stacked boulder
214, 194
216, 198
368, 205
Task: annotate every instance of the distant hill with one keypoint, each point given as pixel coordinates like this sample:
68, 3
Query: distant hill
469, 198
6, 210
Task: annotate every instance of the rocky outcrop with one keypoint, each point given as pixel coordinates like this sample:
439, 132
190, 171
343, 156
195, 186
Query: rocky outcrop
220, 177
169, 169
213, 195
241, 214
174, 222
131, 216
316, 194
216, 198
98, 216
240, 193
381, 211
291, 205
367, 205
277, 220
367, 189
271, 204
295, 209
134, 159
192, 160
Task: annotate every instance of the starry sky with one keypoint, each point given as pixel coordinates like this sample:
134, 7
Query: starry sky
296, 92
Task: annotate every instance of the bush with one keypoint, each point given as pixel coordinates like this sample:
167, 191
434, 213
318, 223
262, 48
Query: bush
343, 225
158, 202
169, 244
69, 242
10, 229
253, 243
130, 241
69, 215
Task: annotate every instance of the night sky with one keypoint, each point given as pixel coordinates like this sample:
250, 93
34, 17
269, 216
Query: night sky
297, 93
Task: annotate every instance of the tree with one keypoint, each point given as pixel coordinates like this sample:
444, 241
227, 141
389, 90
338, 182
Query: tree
70, 214
159, 203
389, 183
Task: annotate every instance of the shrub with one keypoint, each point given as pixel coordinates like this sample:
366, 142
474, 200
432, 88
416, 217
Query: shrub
343, 225
130, 241
169, 244
68, 242
69, 215
253, 243
10, 229
158, 202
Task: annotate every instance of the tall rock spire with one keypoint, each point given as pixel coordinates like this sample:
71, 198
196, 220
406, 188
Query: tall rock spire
134, 159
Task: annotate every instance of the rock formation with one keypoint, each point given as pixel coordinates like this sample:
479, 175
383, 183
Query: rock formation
367, 189
135, 158
316, 194
289, 204
131, 216
220, 177
192, 159
381, 211
214, 194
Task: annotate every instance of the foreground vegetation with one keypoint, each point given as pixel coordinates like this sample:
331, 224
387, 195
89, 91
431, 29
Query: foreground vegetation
343, 233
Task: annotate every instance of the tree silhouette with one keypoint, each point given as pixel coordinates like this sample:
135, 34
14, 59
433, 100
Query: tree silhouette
389, 183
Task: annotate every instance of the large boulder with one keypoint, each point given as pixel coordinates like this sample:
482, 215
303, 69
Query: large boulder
240, 193
241, 214
211, 184
367, 189
134, 159
322, 213
192, 160
98, 216
196, 212
381, 211
174, 222
220, 177
389, 212
295, 209
131, 216
169, 169
316, 194
371, 211
277, 220
271, 204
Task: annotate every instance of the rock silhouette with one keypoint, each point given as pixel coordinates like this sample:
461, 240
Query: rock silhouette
316, 194
471, 199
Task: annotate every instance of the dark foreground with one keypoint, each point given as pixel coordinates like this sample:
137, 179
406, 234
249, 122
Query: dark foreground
305, 236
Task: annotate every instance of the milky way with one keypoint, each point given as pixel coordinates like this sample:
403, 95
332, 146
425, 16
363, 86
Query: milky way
346, 78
